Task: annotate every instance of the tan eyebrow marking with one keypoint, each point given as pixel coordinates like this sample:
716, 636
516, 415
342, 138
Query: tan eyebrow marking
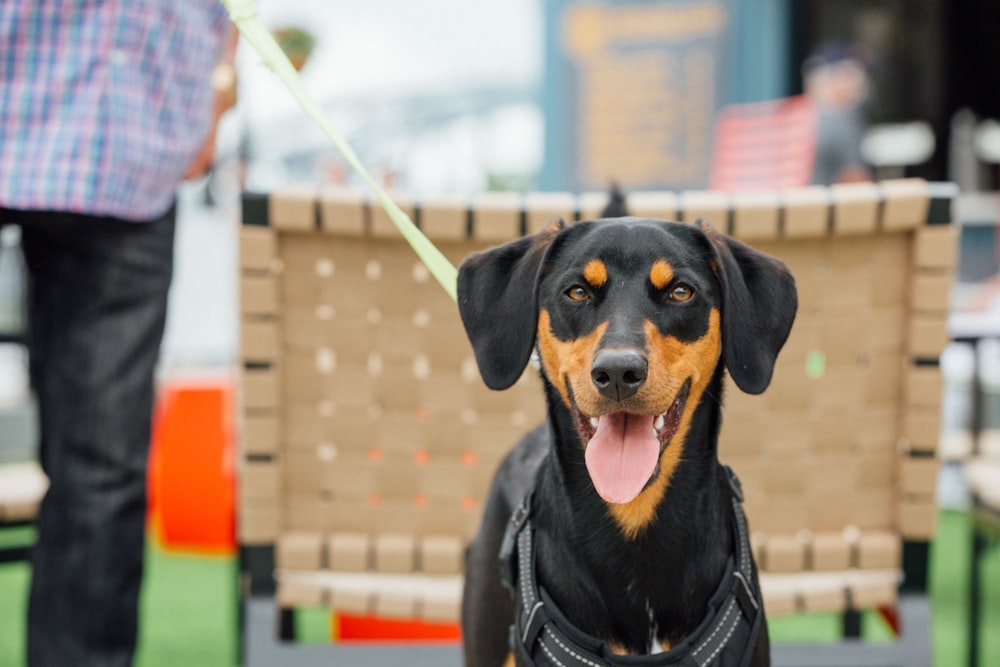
595, 273
661, 274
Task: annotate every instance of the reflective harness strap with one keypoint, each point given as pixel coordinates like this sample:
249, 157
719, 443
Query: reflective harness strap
743, 605
544, 636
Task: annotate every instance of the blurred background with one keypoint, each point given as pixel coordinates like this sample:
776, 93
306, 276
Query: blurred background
456, 97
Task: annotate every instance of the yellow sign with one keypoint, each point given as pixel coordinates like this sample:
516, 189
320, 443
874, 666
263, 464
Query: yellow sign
645, 89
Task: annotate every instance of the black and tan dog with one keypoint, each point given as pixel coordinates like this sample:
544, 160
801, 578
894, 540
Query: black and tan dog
632, 540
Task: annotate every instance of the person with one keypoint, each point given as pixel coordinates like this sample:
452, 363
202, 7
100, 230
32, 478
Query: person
105, 107
836, 79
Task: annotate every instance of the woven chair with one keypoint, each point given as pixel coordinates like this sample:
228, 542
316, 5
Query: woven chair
368, 440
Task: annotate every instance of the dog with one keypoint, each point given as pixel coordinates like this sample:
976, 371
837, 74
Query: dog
613, 529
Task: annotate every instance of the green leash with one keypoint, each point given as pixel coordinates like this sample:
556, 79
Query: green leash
244, 15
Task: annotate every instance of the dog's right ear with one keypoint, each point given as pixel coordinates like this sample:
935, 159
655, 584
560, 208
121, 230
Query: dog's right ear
497, 298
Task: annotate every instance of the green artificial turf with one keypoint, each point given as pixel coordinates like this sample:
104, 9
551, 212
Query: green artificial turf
189, 609
13, 598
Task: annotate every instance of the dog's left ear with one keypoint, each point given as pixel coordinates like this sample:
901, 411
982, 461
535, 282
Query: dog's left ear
758, 307
497, 298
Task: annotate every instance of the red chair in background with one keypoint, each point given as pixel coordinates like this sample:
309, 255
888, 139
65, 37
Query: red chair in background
764, 145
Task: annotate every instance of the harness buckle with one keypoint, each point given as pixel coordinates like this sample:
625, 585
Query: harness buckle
734, 483
508, 547
533, 625
520, 515
745, 597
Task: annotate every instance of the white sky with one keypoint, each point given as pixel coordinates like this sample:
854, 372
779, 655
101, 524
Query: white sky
366, 46
379, 49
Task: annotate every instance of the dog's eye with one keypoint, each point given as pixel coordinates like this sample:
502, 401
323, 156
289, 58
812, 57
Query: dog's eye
681, 292
577, 293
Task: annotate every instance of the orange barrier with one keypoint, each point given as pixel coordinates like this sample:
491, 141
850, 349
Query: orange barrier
191, 480
352, 628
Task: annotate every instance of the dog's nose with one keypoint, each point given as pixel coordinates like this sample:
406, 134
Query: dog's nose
619, 374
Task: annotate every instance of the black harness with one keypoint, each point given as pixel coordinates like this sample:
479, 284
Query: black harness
541, 634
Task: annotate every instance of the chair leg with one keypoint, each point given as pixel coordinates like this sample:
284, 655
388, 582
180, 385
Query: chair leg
286, 624
14, 554
978, 545
852, 624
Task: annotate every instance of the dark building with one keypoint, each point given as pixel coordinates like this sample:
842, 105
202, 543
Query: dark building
632, 86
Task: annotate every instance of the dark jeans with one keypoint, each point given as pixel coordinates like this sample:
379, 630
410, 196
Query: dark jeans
97, 298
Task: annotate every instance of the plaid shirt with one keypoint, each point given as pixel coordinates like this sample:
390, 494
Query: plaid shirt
103, 103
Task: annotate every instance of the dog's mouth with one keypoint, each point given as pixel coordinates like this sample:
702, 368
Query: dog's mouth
623, 448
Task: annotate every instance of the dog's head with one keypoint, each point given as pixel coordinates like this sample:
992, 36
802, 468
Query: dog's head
631, 318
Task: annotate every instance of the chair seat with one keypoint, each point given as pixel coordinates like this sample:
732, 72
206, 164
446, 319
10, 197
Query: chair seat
983, 476
437, 597
22, 486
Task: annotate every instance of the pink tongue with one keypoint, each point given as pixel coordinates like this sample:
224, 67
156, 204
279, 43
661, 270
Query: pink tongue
622, 455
